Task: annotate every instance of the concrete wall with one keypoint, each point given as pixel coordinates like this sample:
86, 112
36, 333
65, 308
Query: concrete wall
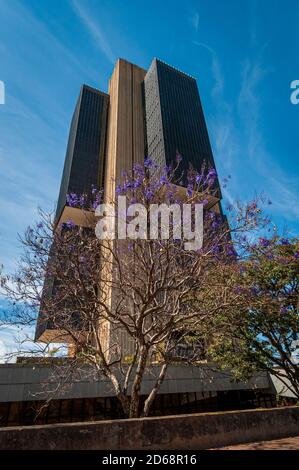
22, 382
198, 431
283, 389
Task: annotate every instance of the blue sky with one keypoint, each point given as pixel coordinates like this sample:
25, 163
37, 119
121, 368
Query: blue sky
243, 54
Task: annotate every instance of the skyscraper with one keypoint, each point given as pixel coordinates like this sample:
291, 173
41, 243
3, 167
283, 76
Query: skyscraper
156, 113
85, 154
175, 121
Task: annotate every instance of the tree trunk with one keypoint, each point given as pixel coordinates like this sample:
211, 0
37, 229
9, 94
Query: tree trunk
124, 400
135, 393
150, 399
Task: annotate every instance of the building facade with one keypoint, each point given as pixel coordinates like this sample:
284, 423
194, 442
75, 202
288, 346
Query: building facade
126, 136
85, 154
155, 113
175, 122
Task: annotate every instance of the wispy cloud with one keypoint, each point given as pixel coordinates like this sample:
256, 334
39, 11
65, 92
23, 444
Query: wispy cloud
17, 12
195, 20
33, 121
252, 74
282, 188
215, 67
94, 30
238, 139
16, 341
225, 138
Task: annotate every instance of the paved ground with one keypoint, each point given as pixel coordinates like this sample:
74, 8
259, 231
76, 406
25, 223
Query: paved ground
289, 443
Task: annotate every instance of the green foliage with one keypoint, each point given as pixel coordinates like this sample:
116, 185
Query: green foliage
258, 331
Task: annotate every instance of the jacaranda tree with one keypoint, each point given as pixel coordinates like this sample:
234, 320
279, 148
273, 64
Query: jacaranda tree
125, 294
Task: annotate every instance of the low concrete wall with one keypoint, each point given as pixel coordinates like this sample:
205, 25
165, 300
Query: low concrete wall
197, 431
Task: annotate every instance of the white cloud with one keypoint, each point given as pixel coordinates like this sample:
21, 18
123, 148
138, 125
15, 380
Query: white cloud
18, 341
195, 21
18, 13
94, 30
216, 69
239, 144
15, 341
282, 188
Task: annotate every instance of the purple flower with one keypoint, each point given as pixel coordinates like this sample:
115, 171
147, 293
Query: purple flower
211, 176
133, 200
296, 254
212, 173
230, 252
251, 209
163, 179
283, 309
190, 178
178, 158
138, 169
189, 190
215, 224
148, 163
137, 183
149, 194
40, 225
254, 290
82, 201
238, 290
128, 185
70, 224
264, 242
72, 200
98, 198
284, 241
198, 178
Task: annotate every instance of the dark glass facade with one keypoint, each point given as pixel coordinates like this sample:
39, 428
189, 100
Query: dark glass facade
175, 121
84, 161
83, 166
